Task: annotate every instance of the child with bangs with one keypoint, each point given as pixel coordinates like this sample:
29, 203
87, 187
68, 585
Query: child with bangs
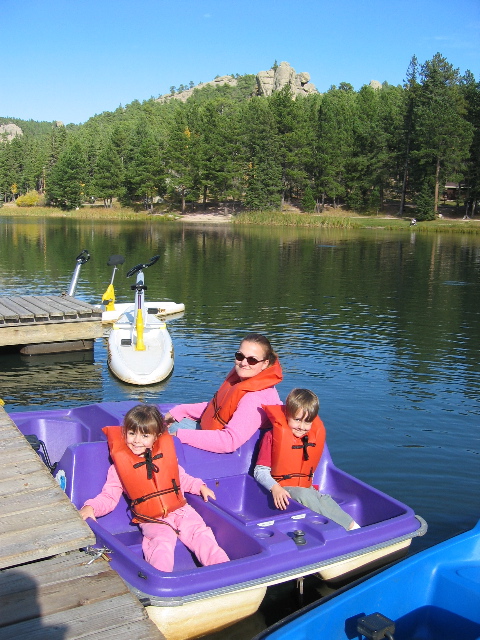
146, 469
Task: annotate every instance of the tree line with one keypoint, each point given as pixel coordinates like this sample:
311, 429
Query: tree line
343, 147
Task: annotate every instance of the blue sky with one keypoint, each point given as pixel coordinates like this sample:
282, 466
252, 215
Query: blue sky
70, 59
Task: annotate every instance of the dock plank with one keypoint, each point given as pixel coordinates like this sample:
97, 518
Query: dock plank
57, 304
7, 314
27, 534
64, 597
82, 308
40, 314
54, 314
14, 305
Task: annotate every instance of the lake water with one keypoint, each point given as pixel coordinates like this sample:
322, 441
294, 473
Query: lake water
383, 326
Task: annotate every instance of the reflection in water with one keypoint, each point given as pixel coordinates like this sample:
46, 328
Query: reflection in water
56, 379
383, 326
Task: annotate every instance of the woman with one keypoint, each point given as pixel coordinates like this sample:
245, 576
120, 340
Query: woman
235, 412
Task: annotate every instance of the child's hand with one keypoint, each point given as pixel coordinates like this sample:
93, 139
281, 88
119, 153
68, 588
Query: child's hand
168, 418
87, 512
206, 493
280, 496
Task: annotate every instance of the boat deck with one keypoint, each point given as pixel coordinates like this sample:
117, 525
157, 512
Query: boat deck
47, 587
46, 319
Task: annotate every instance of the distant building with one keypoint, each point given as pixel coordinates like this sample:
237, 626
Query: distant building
453, 190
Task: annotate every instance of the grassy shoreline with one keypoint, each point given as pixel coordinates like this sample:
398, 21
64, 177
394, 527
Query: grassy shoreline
332, 219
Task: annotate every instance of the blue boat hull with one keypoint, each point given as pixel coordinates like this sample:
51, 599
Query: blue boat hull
430, 596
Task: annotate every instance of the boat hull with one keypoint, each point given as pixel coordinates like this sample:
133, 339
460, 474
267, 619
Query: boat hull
195, 619
433, 594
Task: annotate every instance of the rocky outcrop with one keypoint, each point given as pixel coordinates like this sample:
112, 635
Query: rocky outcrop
276, 78
185, 95
9, 131
267, 83
375, 84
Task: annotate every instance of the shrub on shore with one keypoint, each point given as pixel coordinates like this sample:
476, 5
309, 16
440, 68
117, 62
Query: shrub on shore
30, 199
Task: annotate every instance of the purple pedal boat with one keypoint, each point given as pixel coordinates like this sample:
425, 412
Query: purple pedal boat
266, 546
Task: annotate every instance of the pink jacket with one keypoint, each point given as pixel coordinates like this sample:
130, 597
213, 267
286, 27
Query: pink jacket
248, 417
108, 498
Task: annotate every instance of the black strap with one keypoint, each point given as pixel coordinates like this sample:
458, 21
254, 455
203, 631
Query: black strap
216, 411
151, 467
150, 520
304, 445
289, 476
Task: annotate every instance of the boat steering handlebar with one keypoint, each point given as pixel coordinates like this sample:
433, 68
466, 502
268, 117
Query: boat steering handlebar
139, 267
83, 257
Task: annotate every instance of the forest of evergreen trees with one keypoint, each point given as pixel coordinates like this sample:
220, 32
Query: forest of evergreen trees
356, 148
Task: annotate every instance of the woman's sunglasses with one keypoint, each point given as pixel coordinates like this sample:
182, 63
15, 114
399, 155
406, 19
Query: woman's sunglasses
239, 357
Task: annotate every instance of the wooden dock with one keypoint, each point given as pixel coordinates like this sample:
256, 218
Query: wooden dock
47, 588
34, 320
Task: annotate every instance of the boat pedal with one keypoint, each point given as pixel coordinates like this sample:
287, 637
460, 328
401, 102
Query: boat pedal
376, 626
38, 444
126, 342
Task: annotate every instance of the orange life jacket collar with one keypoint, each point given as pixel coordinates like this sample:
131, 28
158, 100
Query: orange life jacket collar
222, 406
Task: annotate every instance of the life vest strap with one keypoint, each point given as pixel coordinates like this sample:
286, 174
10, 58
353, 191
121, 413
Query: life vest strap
294, 475
174, 489
149, 464
304, 445
149, 520
216, 411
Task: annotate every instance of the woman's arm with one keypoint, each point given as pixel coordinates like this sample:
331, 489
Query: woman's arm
247, 419
181, 411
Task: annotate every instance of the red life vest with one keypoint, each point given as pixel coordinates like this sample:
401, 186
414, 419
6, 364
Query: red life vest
294, 460
222, 406
151, 481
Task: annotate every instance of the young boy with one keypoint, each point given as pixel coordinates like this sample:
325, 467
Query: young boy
290, 453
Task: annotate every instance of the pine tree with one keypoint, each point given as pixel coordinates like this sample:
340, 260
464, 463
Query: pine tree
442, 133
410, 90
471, 92
109, 175
264, 170
66, 185
335, 143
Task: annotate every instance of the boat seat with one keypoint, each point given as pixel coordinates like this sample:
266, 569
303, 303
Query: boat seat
82, 472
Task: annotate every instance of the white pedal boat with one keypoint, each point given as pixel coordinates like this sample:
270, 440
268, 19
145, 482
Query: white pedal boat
140, 350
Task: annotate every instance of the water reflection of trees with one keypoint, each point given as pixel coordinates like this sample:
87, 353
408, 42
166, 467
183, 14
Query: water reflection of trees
301, 285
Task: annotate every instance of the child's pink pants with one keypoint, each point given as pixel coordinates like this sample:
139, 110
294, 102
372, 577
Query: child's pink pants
159, 539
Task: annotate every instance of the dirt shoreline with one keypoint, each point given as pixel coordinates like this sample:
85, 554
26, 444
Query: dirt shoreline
217, 218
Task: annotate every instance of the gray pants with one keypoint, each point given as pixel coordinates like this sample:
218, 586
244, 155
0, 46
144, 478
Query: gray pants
186, 423
322, 503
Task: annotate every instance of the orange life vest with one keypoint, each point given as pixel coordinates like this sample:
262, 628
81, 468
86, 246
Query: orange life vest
152, 481
222, 406
294, 460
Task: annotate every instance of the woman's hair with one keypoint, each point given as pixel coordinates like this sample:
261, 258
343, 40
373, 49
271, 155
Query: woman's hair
145, 418
302, 400
264, 342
